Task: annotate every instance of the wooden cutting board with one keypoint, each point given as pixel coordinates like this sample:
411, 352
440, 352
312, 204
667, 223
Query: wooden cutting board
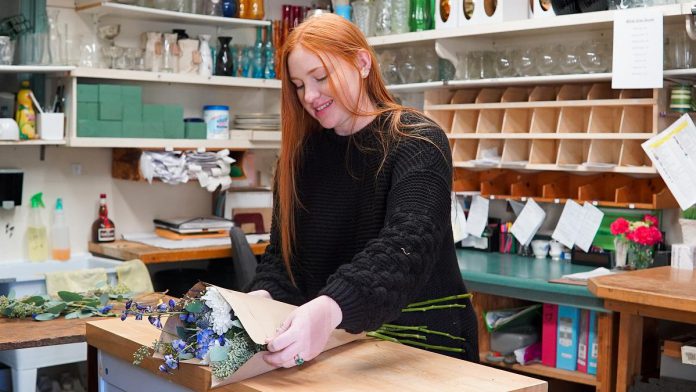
366, 365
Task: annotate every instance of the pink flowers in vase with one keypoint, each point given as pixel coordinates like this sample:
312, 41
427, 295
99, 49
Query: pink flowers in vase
644, 232
641, 237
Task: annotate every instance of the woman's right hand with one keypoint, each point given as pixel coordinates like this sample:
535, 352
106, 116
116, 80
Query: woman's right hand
261, 293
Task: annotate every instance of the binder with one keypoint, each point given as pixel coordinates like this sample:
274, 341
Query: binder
549, 334
593, 343
583, 340
567, 348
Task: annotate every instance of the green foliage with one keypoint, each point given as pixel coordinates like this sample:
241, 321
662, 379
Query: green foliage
43, 308
689, 213
194, 307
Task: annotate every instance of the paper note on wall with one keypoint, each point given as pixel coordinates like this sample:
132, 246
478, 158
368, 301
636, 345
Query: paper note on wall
591, 220
478, 216
638, 49
673, 152
567, 227
528, 222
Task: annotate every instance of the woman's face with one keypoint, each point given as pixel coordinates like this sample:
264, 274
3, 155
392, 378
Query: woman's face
311, 81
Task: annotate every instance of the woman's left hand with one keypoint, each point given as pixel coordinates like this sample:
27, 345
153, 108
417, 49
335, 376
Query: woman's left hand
303, 335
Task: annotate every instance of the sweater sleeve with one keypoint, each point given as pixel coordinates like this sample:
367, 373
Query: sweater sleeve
392, 268
271, 274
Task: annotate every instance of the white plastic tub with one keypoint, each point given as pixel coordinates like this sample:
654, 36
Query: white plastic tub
27, 278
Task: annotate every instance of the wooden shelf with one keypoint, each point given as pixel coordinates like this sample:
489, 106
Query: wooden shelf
604, 189
551, 136
547, 104
108, 8
232, 144
160, 77
35, 68
32, 143
547, 26
554, 167
545, 371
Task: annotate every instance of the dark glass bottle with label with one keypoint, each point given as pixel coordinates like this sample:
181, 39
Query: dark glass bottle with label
103, 229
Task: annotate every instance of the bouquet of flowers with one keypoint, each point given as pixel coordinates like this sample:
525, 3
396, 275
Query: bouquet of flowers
641, 238
212, 326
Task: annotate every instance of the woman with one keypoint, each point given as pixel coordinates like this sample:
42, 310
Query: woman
362, 195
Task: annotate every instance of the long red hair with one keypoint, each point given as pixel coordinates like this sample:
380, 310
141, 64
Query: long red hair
331, 38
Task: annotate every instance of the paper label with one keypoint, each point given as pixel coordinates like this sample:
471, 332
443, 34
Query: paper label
637, 60
106, 234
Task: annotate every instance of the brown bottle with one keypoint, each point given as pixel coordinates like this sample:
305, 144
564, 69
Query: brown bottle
103, 229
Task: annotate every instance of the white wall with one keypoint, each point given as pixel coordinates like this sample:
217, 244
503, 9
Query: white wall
132, 205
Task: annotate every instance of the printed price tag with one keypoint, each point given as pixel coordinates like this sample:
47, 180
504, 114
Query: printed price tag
688, 355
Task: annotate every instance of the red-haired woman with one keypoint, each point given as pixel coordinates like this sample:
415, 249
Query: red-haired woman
362, 203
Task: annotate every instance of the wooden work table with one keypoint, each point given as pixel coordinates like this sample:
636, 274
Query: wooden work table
367, 365
127, 250
661, 293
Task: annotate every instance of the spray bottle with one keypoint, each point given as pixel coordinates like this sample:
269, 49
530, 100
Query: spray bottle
60, 234
25, 115
37, 240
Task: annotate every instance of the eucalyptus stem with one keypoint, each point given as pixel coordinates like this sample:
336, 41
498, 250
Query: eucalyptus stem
433, 307
414, 343
443, 299
402, 327
401, 335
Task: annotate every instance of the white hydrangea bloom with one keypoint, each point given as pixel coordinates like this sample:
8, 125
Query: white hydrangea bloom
221, 311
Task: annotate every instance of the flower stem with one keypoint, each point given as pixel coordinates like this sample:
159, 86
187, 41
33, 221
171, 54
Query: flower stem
424, 329
434, 301
401, 335
433, 307
415, 343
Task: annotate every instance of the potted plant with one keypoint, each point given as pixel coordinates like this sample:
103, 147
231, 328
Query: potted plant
688, 225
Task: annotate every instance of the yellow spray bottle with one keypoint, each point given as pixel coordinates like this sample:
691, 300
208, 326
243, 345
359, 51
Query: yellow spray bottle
36, 237
25, 115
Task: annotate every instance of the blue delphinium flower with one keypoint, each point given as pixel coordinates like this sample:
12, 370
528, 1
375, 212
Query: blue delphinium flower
138, 316
124, 315
163, 368
155, 321
172, 304
162, 308
191, 318
170, 361
178, 345
203, 339
106, 309
129, 303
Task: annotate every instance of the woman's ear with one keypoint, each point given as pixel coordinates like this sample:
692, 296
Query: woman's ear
364, 62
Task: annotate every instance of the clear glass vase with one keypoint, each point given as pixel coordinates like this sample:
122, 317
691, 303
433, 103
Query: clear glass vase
620, 253
640, 256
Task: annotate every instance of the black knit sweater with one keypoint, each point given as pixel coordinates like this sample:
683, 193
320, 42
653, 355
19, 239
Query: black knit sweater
372, 239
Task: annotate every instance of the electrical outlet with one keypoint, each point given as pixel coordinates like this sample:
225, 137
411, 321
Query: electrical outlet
76, 169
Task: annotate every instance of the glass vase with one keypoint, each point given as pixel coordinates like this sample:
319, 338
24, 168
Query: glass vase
620, 253
640, 256
224, 64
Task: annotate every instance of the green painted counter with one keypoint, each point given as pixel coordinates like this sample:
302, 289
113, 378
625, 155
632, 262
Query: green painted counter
524, 278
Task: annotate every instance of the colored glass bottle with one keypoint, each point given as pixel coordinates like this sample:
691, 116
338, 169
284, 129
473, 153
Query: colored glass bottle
103, 229
224, 63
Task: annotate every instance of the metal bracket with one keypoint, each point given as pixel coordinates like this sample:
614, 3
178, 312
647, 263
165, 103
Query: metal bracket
42, 153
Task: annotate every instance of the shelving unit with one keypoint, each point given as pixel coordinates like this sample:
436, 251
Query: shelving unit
538, 369
109, 8
174, 78
605, 189
37, 142
240, 143
548, 26
567, 127
35, 68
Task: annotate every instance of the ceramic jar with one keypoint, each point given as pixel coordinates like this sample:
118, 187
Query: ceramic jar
190, 58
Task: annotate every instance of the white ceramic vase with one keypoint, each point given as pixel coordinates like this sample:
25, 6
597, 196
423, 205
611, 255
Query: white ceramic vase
206, 66
189, 61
